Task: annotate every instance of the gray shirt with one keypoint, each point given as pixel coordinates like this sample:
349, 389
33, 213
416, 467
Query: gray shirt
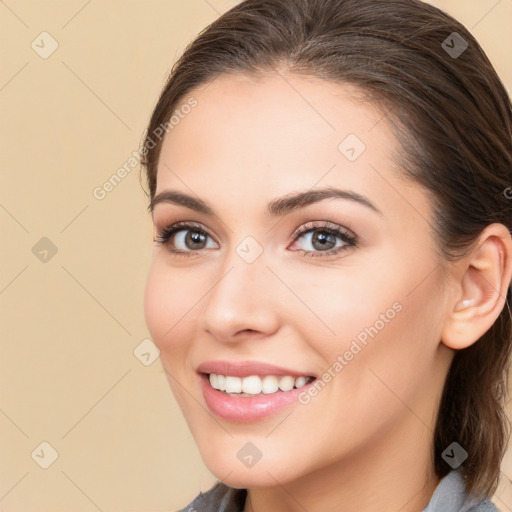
449, 496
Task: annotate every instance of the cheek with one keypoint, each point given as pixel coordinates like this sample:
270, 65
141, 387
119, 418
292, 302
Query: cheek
154, 304
390, 347
374, 318
165, 307
337, 305
165, 314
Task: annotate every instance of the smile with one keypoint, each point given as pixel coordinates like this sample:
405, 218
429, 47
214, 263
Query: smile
255, 384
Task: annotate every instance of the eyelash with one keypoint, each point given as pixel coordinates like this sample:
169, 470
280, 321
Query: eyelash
165, 235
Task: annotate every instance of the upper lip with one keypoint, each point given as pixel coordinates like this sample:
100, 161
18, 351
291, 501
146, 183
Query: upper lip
247, 368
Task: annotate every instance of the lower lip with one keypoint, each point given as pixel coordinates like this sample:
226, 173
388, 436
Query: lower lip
250, 408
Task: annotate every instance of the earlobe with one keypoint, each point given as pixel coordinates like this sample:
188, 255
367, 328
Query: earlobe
485, 276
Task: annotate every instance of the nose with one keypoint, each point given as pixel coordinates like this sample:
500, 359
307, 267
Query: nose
241, 302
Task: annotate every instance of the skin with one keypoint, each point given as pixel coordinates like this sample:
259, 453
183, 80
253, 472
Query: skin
366, 438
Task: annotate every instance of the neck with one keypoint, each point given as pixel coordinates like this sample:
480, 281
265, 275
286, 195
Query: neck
396, 471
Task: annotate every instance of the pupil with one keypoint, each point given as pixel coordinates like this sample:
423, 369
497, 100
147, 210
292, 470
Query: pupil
322, 237
196, 238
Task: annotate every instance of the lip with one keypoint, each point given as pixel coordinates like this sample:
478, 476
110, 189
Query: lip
247, 368
247, 409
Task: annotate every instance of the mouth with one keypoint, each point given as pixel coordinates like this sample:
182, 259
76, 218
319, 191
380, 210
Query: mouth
254, 385
250, 391
244, 391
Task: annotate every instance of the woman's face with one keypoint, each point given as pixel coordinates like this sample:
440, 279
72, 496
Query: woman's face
361, 310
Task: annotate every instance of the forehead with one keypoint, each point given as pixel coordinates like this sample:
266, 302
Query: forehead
276, 119
251, 140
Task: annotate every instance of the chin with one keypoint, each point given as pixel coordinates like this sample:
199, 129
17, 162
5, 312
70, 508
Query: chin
250, 478
265, 472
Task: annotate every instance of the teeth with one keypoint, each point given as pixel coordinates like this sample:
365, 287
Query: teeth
221, 381
233, 384
255, 385
270, 384
286, 383
214, 380
251, 385
300, 381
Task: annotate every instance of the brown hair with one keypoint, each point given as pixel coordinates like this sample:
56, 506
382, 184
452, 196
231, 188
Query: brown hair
453, 119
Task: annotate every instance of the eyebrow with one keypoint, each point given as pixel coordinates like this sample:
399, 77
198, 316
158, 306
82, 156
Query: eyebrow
277, 207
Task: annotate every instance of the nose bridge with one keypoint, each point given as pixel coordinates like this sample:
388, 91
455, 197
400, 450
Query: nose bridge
239, 299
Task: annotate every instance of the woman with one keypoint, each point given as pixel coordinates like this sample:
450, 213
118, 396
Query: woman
329, 182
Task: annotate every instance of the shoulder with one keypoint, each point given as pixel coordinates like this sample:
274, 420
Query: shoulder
220, 498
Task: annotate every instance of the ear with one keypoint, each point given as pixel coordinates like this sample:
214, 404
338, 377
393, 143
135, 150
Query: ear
481, 288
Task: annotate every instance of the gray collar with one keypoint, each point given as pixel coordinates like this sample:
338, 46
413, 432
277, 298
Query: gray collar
450, 495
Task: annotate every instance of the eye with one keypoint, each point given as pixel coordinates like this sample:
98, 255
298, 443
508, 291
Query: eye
325, 239
185, 238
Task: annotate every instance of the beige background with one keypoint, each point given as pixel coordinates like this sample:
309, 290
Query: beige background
70, 324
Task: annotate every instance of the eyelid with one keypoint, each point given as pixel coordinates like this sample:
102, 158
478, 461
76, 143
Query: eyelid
324, 224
